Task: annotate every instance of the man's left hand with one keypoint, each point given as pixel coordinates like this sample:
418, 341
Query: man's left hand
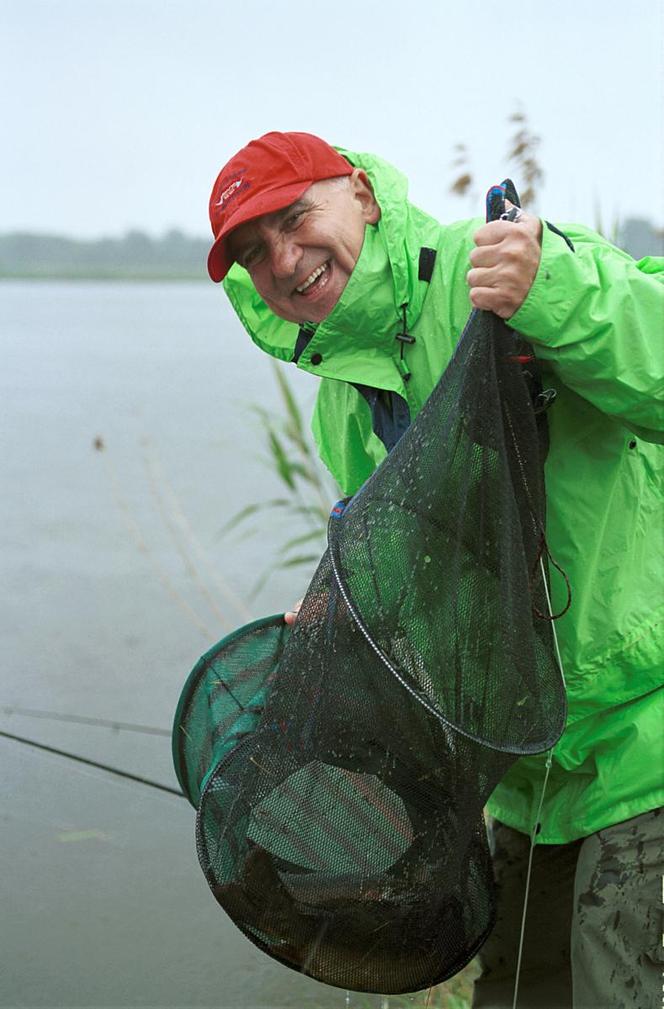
505, 261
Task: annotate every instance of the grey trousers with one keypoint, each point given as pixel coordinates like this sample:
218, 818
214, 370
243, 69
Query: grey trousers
594, 925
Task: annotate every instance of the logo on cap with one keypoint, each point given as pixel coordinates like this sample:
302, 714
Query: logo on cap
228, 192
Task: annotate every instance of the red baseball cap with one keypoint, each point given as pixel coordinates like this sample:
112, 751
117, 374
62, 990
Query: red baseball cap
268, 174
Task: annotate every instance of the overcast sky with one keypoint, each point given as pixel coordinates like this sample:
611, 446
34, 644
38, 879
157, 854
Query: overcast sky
119, 113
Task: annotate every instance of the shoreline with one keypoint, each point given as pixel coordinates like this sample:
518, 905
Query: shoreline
110, 277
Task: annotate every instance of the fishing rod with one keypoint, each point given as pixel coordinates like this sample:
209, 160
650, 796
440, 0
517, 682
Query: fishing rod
106, 723
92, 763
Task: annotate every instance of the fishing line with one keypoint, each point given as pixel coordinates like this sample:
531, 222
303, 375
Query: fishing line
537, 826
192, 542
107, 723
92, 763
553, 626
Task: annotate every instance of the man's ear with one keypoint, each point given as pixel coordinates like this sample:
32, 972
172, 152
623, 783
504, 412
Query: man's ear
362, 191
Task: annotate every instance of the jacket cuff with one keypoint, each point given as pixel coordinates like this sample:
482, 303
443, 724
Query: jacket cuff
548, 301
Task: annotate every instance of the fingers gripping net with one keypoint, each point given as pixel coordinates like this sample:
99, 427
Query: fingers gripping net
340, 806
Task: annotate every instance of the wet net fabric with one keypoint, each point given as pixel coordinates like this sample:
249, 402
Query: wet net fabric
341, 779
223, 700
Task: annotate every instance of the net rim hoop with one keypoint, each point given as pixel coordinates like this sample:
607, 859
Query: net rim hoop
192, 681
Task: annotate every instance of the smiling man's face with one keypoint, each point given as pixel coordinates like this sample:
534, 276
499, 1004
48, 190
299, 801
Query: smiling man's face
300, 258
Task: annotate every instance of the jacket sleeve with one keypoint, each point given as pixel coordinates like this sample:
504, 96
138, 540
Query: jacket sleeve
597, 316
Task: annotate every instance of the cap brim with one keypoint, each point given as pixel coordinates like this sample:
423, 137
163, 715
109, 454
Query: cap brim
266, 202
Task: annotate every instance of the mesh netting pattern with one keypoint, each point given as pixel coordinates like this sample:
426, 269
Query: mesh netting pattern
223, 699
438, 558
340, 769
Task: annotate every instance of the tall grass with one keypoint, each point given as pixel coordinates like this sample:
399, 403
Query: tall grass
521, 154
307, 490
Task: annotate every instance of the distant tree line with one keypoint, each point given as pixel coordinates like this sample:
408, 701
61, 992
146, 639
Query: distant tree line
638, 237
135, 256
176, 256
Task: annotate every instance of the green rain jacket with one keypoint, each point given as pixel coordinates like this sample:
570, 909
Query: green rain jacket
596, 320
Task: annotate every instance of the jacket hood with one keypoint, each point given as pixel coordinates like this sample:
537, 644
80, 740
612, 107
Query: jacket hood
361, 329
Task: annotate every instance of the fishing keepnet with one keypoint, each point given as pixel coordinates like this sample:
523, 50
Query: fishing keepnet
340, 769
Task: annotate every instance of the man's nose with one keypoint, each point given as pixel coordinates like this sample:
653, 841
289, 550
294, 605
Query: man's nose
285, 255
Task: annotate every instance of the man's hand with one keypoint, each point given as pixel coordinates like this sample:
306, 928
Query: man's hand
290, 616
505, 263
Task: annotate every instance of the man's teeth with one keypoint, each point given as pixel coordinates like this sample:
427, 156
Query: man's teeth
310, 279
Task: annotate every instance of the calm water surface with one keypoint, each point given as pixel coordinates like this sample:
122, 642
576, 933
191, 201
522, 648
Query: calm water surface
115, 578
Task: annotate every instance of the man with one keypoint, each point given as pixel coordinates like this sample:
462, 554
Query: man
328, 265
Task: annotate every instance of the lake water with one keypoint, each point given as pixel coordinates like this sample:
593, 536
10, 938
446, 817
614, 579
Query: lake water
115, 578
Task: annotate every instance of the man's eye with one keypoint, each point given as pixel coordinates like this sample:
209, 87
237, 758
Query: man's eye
294, 219
251, 256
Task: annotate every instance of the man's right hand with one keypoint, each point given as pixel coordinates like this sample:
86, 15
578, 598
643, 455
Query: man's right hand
290, 616
505, 261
